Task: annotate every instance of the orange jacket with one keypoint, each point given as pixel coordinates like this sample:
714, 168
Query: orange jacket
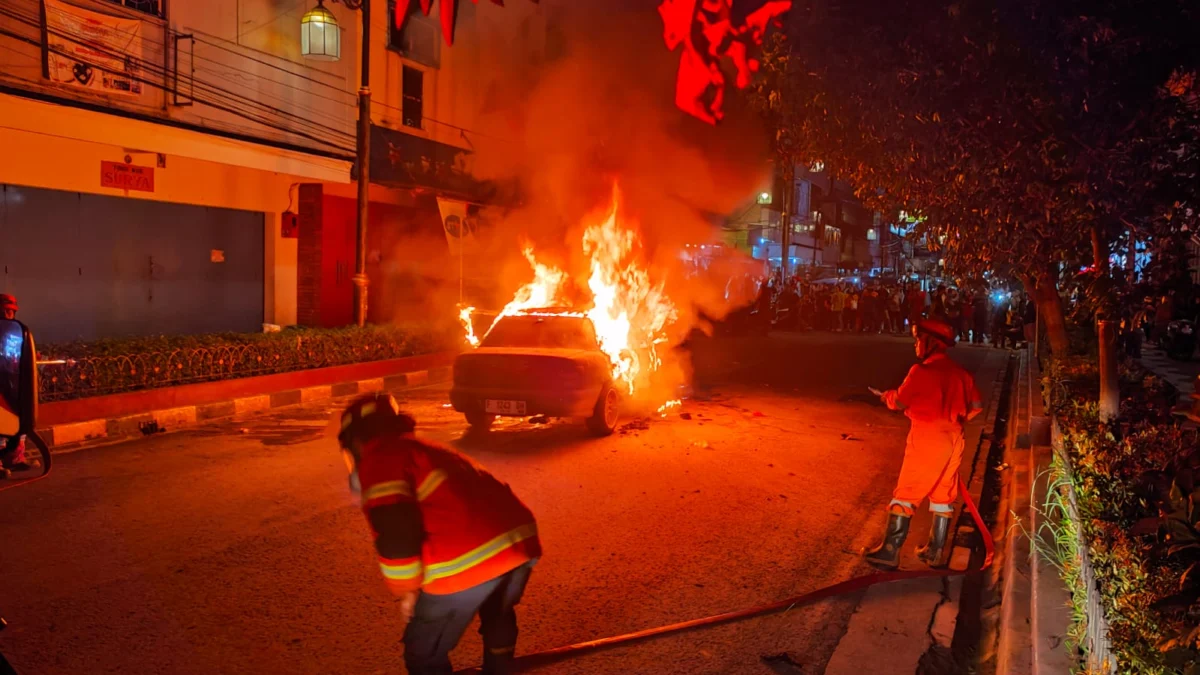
938, 392
441, 523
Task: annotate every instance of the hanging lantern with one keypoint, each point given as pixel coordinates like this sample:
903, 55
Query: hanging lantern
320, 36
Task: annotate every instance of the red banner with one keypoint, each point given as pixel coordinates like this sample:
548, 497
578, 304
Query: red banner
707, 33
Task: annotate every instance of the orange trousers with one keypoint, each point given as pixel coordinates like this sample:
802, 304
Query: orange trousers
930, 470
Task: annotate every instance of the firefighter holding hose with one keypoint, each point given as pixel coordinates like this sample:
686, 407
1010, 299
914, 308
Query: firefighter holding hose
453, 541
939, 397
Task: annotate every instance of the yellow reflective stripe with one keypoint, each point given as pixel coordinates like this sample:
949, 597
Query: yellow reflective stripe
392, 487
401, 572
480, 554
431, 483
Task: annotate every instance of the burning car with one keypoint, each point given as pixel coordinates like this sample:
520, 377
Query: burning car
544, 361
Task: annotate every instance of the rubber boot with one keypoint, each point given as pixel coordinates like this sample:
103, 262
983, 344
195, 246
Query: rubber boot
939, 530
887, 554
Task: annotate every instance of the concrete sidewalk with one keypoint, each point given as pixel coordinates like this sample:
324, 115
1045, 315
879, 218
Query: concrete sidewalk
896, 625
76, 424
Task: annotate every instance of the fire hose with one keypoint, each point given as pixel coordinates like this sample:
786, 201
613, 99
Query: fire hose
548, 656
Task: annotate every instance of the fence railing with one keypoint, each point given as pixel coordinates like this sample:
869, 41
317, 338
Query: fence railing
70, 378
1096, 647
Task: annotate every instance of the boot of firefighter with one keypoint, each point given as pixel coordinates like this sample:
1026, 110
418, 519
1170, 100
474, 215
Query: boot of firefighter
939, 531
887, 553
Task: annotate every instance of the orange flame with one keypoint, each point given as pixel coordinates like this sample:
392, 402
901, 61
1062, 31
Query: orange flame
630, 312
464, 315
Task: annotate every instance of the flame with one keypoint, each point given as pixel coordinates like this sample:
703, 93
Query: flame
669, 406
630, 312
464, 315
543, 291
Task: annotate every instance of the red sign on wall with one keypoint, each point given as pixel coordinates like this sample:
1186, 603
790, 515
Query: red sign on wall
126, 176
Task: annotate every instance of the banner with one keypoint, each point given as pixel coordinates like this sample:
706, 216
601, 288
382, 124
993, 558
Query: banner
93, 51
460, 222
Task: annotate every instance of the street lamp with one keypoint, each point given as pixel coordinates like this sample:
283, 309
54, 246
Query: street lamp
320, 35
320, 38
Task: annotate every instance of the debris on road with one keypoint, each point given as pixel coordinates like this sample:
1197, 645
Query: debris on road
642, 424
539, 419
685, 416
850, 437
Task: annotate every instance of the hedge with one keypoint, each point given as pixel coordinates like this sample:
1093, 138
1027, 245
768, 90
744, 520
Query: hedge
1136, 485
119, 365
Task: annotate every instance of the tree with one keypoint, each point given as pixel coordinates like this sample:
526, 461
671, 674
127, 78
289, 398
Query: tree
1030, 133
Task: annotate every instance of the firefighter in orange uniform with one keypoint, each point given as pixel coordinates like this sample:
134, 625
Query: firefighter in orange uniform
939, 397
453, 541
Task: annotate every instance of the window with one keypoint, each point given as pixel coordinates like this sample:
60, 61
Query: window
413, 93
151, 7
420, 39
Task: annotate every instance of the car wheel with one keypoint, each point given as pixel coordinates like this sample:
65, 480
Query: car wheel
480, 420
607, 413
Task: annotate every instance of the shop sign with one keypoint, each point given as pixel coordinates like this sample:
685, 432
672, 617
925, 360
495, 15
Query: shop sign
126, 176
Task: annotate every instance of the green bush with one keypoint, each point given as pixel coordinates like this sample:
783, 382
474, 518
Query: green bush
1139, 514
120, 365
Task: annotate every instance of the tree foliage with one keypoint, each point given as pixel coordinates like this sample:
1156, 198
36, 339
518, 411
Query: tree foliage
1033, 135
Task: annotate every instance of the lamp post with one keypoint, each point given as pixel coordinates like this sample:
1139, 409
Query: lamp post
320, 39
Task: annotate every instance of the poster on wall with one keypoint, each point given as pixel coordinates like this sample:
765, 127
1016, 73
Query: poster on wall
94, 51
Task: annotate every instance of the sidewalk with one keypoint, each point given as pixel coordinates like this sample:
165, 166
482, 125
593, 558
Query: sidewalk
87, 422
914, 621
1181, 374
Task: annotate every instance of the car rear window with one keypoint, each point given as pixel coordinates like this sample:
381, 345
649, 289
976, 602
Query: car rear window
546, 332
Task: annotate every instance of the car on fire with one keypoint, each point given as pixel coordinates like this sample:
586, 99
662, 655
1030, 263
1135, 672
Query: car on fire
538, 362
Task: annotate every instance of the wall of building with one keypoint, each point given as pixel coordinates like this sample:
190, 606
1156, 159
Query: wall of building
491, 43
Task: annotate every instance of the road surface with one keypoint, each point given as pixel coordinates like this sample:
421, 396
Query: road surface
236, 547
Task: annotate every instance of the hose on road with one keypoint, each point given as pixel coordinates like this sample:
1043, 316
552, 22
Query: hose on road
528, 661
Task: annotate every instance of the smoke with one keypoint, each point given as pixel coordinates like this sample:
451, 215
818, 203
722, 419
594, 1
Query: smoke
602, 112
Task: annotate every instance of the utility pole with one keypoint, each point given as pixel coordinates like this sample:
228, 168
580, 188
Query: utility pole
785, 216
364, 171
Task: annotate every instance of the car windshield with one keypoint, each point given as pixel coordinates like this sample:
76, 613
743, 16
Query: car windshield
547, 332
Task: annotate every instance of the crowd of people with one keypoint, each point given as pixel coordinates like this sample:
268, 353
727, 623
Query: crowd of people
978, 315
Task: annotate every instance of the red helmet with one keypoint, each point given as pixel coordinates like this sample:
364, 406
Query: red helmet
368, 415
936, 328
8, 302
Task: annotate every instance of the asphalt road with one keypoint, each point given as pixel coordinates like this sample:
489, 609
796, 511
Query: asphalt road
236, 547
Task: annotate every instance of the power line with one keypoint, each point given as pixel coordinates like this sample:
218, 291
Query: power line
214, 104
244, 106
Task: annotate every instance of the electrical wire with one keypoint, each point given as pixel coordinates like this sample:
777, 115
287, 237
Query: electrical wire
213, 104
218, 97
153, 68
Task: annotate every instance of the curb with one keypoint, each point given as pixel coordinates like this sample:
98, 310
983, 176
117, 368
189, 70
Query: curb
79, 435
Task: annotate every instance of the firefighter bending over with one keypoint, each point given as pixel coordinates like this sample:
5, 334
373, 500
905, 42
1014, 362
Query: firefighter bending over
453, 541
939, 397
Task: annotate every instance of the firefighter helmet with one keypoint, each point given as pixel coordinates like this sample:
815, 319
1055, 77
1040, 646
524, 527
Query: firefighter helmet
370, 414
8, 302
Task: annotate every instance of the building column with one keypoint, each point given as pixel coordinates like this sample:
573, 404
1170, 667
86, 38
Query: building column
279, 273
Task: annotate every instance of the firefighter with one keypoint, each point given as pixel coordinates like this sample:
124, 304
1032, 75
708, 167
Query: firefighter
939, 397
453, 541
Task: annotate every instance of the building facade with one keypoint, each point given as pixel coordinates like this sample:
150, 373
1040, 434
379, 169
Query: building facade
180, 166
153, 150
